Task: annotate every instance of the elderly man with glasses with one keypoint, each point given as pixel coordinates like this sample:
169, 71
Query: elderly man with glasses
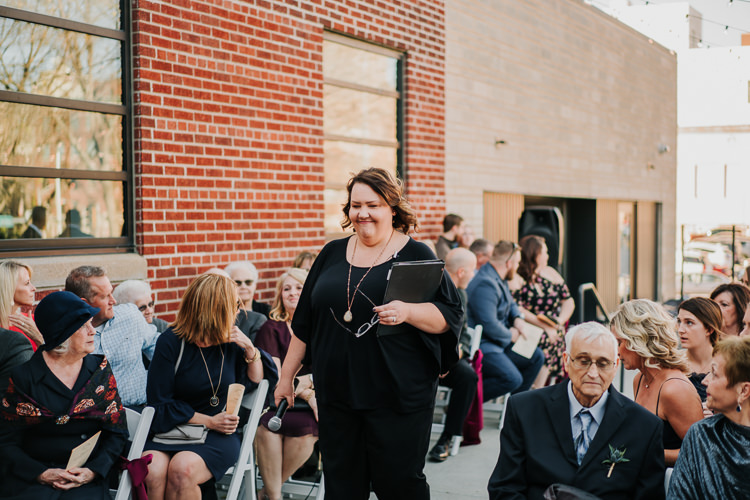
491, 305
581, 434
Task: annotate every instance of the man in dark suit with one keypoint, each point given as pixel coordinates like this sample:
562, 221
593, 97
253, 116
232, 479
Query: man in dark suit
491, 305
573, 432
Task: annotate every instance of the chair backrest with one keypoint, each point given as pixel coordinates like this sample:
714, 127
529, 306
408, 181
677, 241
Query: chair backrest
138, 426
476, 338
244, 469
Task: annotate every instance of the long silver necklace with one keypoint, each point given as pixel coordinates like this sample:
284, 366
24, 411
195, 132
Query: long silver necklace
214, 401
348, 316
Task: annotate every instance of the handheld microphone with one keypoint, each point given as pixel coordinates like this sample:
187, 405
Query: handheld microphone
275, 423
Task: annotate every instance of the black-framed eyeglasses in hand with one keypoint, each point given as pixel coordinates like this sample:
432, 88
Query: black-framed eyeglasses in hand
362, 329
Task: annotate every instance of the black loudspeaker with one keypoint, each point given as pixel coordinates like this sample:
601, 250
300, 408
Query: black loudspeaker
546, 222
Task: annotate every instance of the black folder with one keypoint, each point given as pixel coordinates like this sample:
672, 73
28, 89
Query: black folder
414, 282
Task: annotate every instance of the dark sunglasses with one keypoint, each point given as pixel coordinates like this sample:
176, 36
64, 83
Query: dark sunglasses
246, 282
143, 308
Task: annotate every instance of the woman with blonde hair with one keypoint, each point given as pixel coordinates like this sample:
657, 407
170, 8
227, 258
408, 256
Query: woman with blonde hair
647, 342
16, 292
282, 452
194, 363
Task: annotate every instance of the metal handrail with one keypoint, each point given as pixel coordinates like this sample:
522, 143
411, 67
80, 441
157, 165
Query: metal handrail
586, 287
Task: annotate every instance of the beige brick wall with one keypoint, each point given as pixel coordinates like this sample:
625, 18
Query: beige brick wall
581, 100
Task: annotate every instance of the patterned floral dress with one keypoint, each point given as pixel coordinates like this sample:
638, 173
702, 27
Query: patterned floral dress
545, 297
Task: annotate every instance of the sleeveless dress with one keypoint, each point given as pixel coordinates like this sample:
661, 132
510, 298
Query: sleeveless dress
670, 439
545, 297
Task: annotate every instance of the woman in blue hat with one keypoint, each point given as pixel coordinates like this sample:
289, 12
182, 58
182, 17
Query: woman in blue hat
60, 398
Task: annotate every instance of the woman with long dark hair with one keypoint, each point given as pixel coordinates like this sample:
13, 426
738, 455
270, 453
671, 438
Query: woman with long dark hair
540, 290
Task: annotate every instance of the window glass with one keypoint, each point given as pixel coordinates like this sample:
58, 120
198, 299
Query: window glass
48, 61
346, 158
357, 114
341, 62
103, 13
41, 136
60, 208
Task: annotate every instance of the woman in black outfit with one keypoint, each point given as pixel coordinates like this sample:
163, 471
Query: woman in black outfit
375, 393
60, 398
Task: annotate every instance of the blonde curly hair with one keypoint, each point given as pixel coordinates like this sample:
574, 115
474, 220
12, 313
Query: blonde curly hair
650, 333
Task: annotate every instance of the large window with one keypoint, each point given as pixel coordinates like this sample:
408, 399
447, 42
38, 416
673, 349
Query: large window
65, 129
361, 116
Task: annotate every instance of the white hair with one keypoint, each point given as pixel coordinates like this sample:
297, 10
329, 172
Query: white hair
128, 291
62, 348
588, 332
243, 264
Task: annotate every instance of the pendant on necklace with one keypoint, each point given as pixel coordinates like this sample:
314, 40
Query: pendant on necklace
214, 401
348, 316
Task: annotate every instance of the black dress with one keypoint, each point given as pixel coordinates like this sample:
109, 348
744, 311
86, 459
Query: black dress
177, 397
30, 450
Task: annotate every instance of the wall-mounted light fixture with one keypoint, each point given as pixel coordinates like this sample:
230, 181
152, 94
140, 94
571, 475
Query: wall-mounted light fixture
499, 141
663, 148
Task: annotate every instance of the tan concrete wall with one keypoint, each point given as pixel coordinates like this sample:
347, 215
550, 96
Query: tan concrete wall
581, 100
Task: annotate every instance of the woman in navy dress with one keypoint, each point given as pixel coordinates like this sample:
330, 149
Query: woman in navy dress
194, 363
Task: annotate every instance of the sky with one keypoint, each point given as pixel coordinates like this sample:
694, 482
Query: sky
716, 15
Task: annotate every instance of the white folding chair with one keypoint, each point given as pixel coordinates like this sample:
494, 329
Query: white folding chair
138, 426
243, 472
476, 338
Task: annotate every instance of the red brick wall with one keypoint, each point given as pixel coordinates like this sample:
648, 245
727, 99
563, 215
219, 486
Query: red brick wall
228, 107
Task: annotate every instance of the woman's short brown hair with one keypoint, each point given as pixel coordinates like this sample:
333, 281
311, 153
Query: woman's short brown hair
650, 333
278, 311
736, 354
391, 190
207, 310
708, 313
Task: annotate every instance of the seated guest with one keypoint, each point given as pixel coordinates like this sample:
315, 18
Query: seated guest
304, 260
57, 400
568, 433
138, 292
245, 276
16, 287
460, 265
122, 333
196, 360
732, 299
453, 228
281, 453
714, 460
491, 305
647, 342
483, 251
699, 327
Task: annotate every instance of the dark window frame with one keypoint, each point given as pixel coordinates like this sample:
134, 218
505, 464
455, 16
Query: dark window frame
70, 246
399, 94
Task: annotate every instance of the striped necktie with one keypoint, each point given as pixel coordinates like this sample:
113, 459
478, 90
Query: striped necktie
583, 440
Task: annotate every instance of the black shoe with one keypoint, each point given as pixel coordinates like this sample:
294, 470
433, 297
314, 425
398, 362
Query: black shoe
440, 452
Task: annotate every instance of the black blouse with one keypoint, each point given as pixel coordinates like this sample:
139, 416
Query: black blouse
368, 372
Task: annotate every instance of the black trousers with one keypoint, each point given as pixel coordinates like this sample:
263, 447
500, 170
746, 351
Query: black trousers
381, 447
463, 380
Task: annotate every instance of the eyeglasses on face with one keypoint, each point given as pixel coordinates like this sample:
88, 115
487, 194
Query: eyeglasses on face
143, 308
362, 329
585, 363
246, 282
